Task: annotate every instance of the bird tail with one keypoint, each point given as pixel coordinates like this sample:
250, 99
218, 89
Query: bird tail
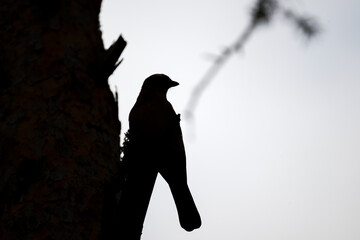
189, 216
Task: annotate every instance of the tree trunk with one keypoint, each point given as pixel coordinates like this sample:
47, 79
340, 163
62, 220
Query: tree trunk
59, 127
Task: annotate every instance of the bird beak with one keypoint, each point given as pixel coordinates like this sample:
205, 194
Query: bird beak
173, 83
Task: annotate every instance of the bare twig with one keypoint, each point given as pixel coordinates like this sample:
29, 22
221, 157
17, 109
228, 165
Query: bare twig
308, 26
214, 69
262, 13
111, 62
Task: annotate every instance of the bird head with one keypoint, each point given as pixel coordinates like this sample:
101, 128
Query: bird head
158, 83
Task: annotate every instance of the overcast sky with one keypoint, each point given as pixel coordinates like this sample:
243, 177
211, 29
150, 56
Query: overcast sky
274, 151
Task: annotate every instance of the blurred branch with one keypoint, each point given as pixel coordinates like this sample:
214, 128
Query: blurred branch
218, 63
261, 13
307, 25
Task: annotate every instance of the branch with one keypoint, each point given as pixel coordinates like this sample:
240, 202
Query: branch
262, 13
112, 54
307, 25
215, 68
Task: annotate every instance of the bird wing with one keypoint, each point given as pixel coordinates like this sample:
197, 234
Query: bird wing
173, 166
158, 128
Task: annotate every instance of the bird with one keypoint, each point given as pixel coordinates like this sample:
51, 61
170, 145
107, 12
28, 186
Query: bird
155, 145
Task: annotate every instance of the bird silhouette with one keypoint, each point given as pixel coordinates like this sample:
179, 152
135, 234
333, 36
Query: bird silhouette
155, 146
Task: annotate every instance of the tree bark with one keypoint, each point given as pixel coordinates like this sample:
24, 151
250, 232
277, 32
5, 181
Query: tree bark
59, 127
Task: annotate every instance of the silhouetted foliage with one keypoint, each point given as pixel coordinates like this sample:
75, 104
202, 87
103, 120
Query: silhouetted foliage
307, 25
263, 11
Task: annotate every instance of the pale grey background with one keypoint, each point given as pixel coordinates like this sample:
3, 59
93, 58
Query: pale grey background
274, 152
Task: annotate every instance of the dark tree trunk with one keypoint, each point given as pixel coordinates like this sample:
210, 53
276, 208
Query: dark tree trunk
59, 129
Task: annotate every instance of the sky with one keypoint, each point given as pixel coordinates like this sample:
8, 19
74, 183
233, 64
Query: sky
273, 151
